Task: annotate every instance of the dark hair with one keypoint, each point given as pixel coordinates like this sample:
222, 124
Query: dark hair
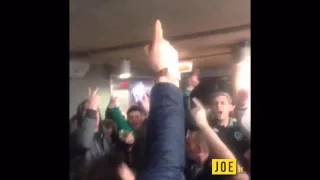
221, 93
105, 168
209, 85
134, 108
108, 123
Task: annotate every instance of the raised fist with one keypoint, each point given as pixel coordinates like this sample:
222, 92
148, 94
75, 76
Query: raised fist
127, 138
113, 103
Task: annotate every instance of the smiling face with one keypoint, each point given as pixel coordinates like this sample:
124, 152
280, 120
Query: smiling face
135, 119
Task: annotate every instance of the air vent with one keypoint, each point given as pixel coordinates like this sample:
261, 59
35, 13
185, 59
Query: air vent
78, 69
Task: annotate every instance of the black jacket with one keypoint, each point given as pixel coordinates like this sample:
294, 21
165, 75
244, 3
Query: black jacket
204, 173
194, 173
133, 154
86, 144
165, 135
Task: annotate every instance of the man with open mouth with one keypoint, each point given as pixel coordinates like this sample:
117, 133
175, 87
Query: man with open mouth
228, 129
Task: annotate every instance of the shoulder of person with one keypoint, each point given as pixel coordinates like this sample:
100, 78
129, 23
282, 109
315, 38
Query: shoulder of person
234, 124
236, 131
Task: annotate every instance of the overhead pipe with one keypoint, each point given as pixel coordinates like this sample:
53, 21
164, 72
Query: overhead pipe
206, 56
178, 38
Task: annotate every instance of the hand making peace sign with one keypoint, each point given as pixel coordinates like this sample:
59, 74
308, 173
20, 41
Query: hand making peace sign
94, 100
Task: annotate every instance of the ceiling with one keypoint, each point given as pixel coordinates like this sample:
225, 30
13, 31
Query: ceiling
104, 31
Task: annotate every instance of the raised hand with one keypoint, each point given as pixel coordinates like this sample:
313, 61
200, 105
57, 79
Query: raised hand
94, 100
113, 103
145, 103
127, 138
193, 80
242, 99
161, 53
199, 114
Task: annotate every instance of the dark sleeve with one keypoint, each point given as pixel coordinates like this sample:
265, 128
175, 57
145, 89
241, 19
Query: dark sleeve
120, 120
83, 136
189, 122
165, 138
187, 170
186, 100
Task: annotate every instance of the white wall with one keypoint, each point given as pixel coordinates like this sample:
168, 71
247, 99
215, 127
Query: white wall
97, 76
123, 97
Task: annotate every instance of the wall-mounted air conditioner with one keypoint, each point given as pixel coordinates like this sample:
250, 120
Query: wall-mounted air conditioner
78, 69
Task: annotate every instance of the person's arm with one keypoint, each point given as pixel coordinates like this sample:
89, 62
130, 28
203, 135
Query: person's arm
113, 111
243, 117
215, 145
218, 149
73, 124
193, 81
186, 100
187, 106
119, 119
83, 136
165, 138
145, 104
242, 112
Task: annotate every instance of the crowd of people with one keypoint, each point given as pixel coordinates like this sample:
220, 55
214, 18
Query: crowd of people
169, 135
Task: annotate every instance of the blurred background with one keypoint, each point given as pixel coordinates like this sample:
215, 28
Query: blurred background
107, 39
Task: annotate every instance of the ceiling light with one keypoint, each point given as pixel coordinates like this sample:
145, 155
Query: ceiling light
125, 69
124, 75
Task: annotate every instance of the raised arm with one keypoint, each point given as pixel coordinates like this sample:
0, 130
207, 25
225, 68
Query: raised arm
193, 81
187, 106
116, 115
215, 145
165, 138
242, 112
165, 134
82, 137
